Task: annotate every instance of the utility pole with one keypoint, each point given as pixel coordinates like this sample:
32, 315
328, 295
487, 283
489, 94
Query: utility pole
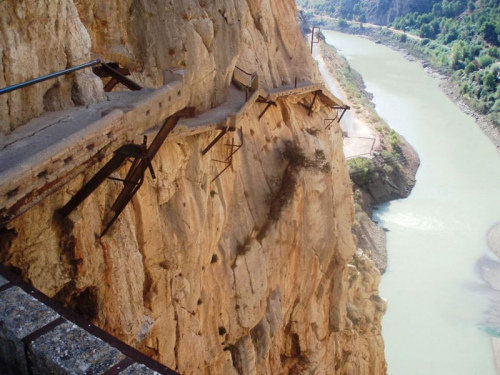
312, 37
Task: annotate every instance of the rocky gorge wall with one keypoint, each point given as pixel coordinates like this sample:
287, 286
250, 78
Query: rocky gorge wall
255, 272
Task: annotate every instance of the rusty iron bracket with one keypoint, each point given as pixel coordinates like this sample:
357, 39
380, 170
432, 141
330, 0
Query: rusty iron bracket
312, 37
135, 176
100, 72
269, 104
337, 109
117, 74
222, 133
229, 160
342, 108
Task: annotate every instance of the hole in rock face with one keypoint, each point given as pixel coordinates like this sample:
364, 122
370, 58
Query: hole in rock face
68, 160
12, 193
42, 174
85, 303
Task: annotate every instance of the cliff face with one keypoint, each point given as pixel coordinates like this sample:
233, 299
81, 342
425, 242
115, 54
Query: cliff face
254, 272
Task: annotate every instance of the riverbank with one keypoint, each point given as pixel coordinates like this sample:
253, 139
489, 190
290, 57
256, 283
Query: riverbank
387, 173
389, 38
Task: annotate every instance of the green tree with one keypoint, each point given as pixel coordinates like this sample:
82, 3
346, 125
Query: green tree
426, 31
489, 32
470, 68
342, 23
489, 81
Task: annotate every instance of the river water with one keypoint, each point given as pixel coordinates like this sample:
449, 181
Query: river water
439, 307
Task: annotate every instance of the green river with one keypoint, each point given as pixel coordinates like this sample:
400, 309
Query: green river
440, 309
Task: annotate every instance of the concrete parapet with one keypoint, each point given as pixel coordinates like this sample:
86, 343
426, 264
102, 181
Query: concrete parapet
40, 339
68, 349
20, 316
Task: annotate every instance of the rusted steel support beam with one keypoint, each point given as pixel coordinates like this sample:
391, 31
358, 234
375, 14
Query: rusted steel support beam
120, 77
116, 161
269, 104
343, 113
312, 103
265, 110
136, 172
330, 122
100, 72
135, 176
216, 139
110, 85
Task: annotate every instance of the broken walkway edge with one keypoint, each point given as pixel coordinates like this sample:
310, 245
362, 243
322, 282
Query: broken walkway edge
27, 183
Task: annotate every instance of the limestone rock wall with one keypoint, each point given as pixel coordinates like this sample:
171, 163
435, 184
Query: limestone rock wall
38, 38
254, 272
208, 37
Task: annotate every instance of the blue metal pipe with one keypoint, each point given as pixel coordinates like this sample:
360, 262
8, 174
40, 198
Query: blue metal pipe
48, 76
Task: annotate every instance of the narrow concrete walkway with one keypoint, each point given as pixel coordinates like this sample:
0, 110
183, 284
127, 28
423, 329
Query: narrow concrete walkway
40, 157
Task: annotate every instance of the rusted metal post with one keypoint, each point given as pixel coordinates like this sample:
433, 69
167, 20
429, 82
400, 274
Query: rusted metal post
312, 38
116, 161
135, 176
269, 104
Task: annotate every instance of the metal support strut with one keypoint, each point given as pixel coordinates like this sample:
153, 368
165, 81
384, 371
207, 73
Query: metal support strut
117, 74
337, 117
269, 104
229, 160
222, 133
135, 176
